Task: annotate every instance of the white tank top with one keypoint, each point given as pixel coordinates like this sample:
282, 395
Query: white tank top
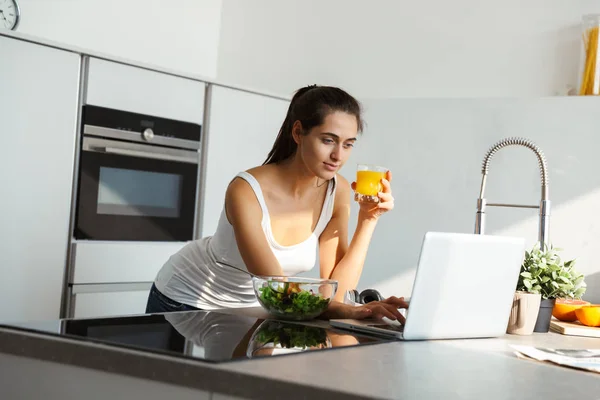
192, 275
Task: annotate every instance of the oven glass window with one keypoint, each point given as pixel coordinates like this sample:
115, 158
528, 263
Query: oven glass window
139, 193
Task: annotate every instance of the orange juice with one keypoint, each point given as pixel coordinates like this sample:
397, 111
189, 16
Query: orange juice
368, 183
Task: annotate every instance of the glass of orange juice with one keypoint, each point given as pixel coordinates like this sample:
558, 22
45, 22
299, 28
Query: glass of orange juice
368, 182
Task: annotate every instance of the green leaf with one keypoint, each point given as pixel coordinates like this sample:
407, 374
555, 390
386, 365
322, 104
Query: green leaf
527, 284
565, 287
564, 279
526, 274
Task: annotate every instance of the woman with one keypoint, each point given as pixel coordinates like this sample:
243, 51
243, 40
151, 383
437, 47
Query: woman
285, 217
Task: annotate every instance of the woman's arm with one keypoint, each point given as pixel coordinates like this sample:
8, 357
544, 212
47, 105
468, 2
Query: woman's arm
339, 260
245, 215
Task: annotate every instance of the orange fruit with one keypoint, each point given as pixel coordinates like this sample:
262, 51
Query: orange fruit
589, 315
564, 309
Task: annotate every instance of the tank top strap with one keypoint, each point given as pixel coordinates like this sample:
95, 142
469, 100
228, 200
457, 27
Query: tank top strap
257, 191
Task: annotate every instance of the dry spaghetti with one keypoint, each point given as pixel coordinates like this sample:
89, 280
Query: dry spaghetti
590, 79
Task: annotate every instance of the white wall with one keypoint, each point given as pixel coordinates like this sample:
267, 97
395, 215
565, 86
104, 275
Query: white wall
182, 35
404, 48
440, 64
434, 148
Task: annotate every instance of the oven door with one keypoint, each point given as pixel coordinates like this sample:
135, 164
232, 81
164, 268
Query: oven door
132, 191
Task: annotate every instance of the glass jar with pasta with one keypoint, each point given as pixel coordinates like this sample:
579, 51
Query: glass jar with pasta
589, 79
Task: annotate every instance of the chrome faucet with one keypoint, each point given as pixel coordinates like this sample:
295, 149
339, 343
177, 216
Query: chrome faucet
544, 205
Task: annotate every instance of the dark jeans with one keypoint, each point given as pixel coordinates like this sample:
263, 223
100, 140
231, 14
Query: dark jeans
159, 303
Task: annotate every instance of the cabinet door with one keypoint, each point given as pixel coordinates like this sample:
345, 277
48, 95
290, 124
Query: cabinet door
139, 90
98, 262
105, 304
243, 127
38, 114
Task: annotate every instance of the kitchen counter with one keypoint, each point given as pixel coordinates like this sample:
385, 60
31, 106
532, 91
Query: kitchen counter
451, 369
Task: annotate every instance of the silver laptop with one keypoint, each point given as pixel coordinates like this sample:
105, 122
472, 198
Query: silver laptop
463, 288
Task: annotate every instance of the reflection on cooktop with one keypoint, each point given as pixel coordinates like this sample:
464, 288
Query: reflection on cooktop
206, 335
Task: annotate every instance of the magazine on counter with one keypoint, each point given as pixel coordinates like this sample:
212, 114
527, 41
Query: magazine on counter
586, 359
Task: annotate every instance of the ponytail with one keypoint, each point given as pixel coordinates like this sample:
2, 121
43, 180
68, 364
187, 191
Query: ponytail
285, 146
310, 105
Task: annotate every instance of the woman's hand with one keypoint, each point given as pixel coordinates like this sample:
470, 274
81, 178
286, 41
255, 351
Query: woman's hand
376, 309
370, 210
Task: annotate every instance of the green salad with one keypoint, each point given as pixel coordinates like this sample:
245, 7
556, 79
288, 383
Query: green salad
290, 300
289, 336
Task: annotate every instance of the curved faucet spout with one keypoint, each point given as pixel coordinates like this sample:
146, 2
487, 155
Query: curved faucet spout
544, 205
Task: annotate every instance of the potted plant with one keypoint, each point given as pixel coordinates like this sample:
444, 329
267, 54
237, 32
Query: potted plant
544, 272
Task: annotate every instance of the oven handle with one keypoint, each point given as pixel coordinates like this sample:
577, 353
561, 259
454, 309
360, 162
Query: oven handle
145, 154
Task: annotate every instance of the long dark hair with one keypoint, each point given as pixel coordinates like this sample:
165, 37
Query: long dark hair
310, 105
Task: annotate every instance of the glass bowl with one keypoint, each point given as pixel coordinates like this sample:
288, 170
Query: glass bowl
294, 298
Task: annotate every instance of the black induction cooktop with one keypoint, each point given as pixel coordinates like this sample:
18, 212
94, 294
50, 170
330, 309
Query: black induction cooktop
204, 335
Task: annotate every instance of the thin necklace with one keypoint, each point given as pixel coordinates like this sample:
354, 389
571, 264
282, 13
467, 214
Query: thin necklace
325, 181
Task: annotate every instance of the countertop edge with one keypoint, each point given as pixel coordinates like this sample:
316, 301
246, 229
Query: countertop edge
144, 365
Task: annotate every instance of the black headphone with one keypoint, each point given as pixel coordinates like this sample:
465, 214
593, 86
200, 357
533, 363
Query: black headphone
366, 296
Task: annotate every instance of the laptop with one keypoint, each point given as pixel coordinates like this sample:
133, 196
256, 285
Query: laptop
463, 288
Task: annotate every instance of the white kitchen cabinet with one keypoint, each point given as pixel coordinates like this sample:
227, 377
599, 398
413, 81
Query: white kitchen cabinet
38, 122
123, 87
114, 278
120, 262
243, 127
105, 304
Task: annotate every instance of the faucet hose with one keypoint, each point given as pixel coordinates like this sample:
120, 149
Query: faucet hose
514, 141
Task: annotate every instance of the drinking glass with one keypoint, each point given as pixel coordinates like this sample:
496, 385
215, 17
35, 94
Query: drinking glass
368, 182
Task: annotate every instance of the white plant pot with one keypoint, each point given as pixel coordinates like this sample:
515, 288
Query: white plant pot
524, 313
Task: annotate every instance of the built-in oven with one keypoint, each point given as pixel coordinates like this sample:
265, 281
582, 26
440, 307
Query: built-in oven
138, 177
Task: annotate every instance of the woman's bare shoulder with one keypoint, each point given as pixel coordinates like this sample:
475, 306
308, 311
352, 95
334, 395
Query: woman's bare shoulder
263, 173
261, 170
